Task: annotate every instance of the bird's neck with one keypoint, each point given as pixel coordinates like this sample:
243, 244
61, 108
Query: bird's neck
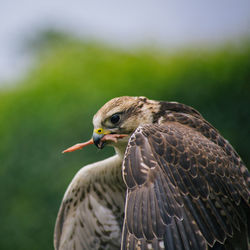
120, 150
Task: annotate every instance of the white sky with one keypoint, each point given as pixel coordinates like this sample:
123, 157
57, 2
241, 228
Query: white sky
166, 23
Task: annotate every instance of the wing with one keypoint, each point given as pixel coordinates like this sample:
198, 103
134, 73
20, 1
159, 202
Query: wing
184, 189
91, 213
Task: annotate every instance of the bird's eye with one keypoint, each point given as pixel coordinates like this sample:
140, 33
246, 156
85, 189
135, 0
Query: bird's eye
115, 118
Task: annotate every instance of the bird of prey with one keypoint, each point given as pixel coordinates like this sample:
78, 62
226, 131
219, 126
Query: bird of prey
173, 183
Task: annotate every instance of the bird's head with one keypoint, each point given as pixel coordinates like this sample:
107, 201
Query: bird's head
117, 120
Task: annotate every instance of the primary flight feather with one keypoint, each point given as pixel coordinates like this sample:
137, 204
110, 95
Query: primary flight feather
174, 183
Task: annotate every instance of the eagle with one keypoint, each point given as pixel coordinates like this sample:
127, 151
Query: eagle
173, 183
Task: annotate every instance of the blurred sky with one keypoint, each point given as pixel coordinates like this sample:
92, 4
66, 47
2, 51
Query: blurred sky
171, 24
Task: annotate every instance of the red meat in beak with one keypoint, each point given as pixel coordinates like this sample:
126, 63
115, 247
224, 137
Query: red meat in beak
98, 141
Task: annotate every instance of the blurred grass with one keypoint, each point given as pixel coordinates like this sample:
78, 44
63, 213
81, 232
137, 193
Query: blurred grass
52, 108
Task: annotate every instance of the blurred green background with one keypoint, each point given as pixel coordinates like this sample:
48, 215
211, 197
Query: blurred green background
52, 108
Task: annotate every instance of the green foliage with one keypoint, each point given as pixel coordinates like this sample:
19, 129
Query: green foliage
53, 107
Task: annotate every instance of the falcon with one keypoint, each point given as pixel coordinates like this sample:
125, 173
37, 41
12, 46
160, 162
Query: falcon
173, 183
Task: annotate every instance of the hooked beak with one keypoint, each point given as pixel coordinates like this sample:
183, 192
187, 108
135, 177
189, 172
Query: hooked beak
97, 138
100, 137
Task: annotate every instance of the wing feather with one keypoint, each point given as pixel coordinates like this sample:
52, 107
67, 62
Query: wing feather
146, 216
91, 213
185, 185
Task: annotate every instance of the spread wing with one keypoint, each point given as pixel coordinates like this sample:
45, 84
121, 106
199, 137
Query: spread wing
91, 213
184, 189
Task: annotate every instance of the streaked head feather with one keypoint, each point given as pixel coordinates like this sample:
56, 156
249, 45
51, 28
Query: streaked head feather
136, 110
